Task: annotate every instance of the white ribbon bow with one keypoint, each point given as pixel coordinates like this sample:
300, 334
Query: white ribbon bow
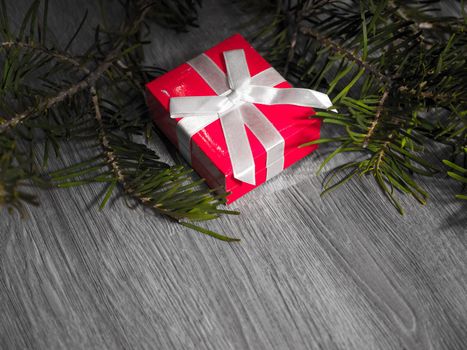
234, 106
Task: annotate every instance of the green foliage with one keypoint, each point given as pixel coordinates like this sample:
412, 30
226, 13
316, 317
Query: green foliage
459, 173
48, 96
396, 73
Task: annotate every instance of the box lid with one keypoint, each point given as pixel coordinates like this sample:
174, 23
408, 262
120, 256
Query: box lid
292, 122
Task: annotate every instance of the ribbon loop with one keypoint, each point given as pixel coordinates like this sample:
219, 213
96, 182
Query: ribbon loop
234, 106
238, 74
241, 156
196, 106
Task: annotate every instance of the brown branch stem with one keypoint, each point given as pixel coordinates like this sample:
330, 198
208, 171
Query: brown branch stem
113, 161
60, 56
72, 90
347, 54
387, 81
379, 110
62, 95
104, 139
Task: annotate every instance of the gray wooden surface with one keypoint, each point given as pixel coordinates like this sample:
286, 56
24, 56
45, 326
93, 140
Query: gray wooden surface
342, 272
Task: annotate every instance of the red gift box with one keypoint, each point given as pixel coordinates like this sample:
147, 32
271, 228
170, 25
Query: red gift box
208, 150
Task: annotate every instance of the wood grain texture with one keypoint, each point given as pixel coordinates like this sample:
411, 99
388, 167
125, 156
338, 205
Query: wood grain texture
342, 272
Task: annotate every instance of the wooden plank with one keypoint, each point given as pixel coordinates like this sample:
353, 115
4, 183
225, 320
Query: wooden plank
342, 272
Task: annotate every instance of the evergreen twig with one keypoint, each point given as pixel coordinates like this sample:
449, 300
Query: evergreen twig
113, 120
396, 73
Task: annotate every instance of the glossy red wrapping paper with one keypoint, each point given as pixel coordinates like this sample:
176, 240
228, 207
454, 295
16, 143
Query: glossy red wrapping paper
210, 157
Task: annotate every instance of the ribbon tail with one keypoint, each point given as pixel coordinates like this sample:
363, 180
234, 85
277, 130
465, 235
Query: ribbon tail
241, 156
267, 134
294, 96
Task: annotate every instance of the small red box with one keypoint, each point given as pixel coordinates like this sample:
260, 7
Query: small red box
209, 155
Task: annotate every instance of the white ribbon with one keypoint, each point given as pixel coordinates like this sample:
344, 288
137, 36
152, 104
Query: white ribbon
234, 106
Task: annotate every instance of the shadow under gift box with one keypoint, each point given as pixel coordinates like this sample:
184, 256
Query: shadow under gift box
209, 155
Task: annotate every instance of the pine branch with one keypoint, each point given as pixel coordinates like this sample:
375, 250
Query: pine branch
112, 121
178, 193
62, 95
349, 55
60, 56
375, 122
388, 67
72, 90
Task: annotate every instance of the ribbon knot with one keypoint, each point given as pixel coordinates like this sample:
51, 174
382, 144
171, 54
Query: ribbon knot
234, 106
234, 97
